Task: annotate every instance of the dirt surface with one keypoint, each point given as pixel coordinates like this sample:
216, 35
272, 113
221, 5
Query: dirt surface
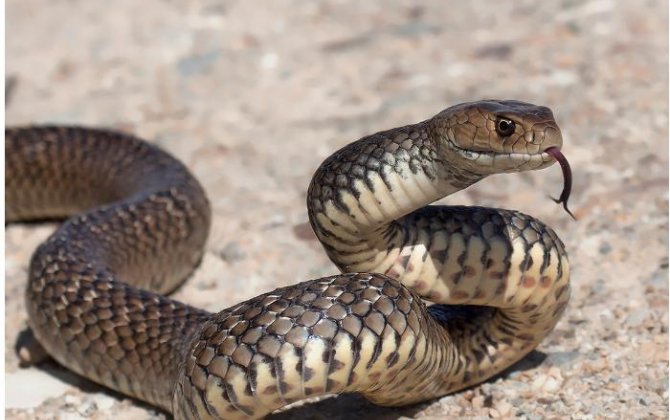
252, 97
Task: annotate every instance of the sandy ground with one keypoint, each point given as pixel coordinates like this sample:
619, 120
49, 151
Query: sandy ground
252, 96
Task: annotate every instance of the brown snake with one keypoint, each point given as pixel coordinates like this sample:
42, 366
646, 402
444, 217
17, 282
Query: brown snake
96, 287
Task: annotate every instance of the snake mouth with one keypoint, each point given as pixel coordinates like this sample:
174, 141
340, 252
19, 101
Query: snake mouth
511, 160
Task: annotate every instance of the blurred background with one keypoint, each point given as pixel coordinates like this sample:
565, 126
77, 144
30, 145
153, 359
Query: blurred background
254, 95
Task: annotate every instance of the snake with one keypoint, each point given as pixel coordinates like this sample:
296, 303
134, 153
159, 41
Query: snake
432, 299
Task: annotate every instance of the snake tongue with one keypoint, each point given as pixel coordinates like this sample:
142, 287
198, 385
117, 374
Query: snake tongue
567, 178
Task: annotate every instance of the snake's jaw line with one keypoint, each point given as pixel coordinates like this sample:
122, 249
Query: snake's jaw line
95, 296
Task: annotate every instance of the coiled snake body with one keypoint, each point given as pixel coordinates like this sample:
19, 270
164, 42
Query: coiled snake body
96, 287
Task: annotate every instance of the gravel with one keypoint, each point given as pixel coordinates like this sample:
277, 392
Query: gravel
253, 97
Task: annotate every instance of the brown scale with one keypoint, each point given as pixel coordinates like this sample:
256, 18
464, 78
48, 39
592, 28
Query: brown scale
141, 221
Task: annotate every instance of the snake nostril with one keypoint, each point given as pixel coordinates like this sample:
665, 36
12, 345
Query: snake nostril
551, 136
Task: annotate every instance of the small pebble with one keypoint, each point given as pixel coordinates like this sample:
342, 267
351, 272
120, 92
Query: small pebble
71, 400
104, 402
636, 318
232, 252
598, 287
87, 408
504, 408
548, 383
605, 248
478, 402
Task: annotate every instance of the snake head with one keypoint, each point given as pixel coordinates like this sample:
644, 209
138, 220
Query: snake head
494, 136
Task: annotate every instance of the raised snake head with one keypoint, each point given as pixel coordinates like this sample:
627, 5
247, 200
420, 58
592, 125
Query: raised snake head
494, 136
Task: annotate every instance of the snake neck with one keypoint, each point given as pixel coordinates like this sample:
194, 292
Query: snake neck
359, 193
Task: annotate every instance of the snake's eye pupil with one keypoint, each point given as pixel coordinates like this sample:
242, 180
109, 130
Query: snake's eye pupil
505, 127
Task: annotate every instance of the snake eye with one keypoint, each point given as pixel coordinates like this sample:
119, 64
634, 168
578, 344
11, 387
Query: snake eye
505, 127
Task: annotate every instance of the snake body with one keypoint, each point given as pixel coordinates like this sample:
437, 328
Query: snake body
96, 294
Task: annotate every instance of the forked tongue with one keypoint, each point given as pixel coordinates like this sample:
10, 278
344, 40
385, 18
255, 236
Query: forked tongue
567, 178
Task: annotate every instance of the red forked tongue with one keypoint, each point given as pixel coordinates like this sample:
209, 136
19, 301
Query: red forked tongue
567, 178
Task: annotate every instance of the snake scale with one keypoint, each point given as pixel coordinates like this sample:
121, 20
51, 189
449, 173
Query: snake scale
138, 222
